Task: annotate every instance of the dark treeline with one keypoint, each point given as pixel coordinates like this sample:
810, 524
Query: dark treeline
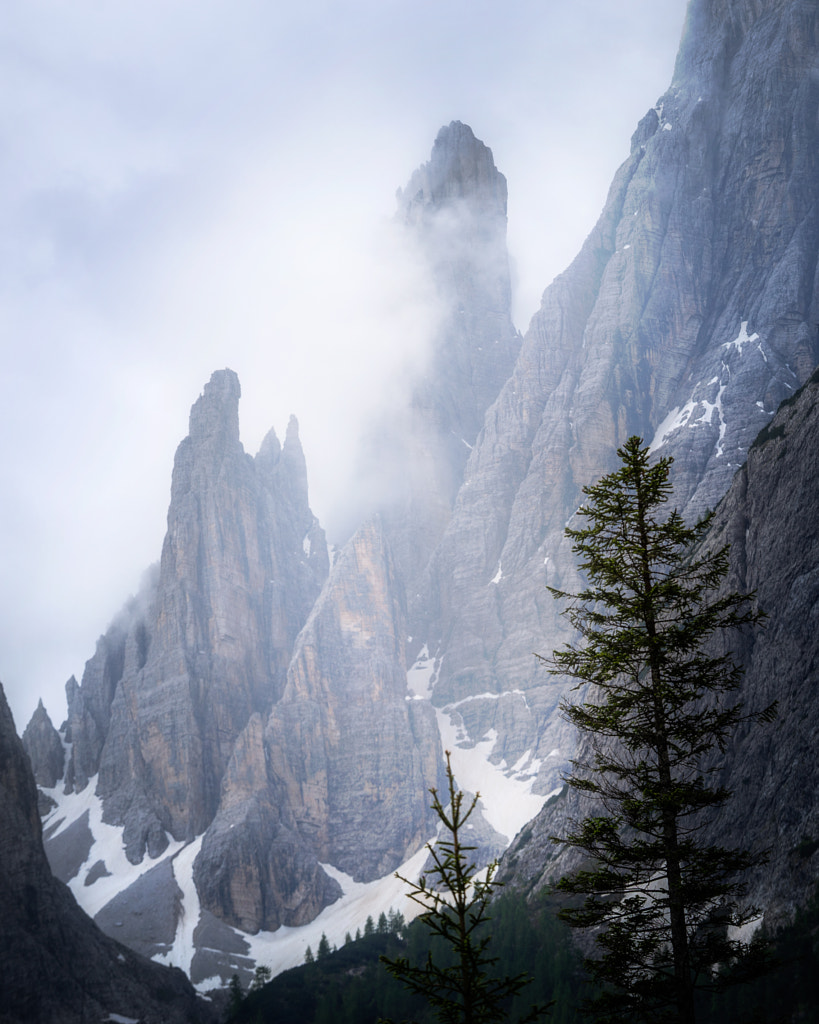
351, 986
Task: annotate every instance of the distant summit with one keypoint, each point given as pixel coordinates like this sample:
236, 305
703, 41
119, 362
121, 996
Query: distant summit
461, 168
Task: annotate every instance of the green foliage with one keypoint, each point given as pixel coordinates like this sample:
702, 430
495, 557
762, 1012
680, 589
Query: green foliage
261, 976
323, 947
353, 984
659, 704
455, 910
789, 994
396, 923
235, 997
369, 926
308, 956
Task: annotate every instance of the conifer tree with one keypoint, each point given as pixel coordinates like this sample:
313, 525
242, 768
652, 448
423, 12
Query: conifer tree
235, 997
396, 922
660, 702
261, 976
456, 911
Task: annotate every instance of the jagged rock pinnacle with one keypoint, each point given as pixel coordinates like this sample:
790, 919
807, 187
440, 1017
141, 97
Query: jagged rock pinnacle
461, 168
216, 412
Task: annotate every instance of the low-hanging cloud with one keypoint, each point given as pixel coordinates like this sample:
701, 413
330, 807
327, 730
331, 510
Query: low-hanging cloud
191, 186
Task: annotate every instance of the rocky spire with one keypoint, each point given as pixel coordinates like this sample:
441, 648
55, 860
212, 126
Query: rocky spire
454, 213
207, 641
461, 169
44, 748
215, 414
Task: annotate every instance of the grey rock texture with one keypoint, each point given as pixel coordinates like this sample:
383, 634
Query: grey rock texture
44, 747
769, 518
356, 756
206, 643
453, 210
339, 772
67, 852
220, 952
689, 314
255, 870
58, 967
144, 916
237, 700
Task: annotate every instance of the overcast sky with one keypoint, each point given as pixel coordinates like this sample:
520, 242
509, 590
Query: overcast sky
192, 184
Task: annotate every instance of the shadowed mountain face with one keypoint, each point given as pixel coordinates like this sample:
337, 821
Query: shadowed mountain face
247, 721
57, 965
768, 517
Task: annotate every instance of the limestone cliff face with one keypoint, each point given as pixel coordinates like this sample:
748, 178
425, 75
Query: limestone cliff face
340, 771
206, 644
768, 517
57, 965
454, 213
254, 869
689, 314
237, 702
354, 753
247, 698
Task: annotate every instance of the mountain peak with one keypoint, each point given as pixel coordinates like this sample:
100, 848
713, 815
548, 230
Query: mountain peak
216, 411
460, 168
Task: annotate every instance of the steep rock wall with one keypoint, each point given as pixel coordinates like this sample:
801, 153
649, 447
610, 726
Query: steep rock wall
689, 314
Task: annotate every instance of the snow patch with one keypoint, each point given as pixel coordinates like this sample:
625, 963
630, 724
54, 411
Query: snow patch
674, 420
182, 952
487, 696
286, 947
307, 545
106, 845
117, 1018
695, 412
508, 802
742, 339
421, 676
498, 575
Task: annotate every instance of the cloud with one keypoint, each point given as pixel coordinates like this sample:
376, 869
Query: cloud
191, 185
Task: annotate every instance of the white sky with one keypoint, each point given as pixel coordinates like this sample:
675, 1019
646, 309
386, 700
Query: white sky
192, 184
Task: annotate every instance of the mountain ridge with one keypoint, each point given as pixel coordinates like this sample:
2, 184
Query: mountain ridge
263, 725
